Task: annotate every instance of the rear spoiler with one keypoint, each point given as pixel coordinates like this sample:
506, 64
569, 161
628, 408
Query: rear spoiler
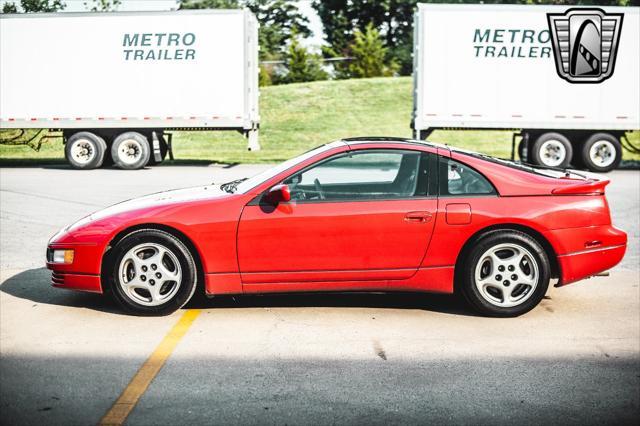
591, 187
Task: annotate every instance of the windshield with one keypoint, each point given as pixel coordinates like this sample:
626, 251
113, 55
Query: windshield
243, 186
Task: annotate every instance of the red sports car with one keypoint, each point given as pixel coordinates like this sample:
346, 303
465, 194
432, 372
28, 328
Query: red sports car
359, 214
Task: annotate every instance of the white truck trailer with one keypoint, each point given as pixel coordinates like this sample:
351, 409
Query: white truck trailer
566, 80
115, 84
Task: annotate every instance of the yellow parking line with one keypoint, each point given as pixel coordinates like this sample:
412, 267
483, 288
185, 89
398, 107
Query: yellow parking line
129, 397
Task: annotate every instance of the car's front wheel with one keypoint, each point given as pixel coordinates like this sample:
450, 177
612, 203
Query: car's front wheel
505, 274
153, 273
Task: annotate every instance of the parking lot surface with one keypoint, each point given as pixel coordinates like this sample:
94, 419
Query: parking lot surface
303, 359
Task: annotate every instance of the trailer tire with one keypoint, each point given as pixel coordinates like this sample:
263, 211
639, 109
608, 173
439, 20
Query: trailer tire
130, 151
552, 150
523, 152
85, 150
601, 152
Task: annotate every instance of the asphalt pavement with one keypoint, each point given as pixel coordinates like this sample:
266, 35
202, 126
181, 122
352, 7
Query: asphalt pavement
65, 357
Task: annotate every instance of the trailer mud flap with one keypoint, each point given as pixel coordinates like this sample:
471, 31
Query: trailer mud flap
157, 154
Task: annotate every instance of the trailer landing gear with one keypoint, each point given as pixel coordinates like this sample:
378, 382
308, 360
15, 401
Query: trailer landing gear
253, 144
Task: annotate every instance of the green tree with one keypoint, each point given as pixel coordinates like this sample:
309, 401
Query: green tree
209, 4
102, 5
301, 64
32, 6
393, 18
369, 55
277, 18
9, 8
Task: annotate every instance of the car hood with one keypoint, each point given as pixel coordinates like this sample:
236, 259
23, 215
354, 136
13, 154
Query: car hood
103, 221
163, 198
156, 200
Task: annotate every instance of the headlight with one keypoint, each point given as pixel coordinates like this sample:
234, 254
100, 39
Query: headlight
62, 256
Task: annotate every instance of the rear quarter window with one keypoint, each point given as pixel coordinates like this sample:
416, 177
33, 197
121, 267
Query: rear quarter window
458, 179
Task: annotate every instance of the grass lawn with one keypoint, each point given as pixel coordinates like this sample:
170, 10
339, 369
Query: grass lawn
297, 117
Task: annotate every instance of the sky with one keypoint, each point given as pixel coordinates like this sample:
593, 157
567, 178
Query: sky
315, 25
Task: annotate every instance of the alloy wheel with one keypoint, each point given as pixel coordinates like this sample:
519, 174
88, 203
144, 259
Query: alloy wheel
150, 274
506, 275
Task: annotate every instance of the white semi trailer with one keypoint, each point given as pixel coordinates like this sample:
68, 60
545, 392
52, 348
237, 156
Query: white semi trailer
115, 84
567, 80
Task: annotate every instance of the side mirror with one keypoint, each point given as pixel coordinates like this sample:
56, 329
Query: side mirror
279, 193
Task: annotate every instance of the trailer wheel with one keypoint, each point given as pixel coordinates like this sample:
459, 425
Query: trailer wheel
551, 150
130, 151
85, 150
601, 152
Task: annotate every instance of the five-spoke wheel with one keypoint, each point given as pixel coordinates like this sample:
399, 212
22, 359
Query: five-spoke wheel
153, 272
506, 273
150, 274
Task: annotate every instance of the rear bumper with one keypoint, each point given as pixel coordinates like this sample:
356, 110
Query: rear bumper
585, 251
580, 265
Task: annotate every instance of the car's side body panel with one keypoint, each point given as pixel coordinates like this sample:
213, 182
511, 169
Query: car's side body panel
333, 241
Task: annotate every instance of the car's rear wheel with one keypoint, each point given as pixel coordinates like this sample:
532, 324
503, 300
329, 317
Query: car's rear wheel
153, 273
505, 274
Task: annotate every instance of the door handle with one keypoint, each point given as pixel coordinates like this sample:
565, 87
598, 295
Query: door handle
418, 217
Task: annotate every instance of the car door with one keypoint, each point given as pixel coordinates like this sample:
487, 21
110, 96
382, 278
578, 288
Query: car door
358, 218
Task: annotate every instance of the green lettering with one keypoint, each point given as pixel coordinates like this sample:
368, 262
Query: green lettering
174, 39
482, 38
528, 34
191, 37
160, 36
130, 40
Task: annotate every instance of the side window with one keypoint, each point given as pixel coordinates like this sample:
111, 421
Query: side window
459, 179
363, 175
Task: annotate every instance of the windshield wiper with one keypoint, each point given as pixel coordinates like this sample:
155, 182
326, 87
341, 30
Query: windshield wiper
230, 187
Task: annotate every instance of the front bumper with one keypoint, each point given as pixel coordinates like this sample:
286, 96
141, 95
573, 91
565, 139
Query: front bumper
90, 283
83, 274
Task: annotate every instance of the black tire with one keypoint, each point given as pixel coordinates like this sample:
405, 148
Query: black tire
133, 303
85, 150
539, 154
522, 155
164, 148
607, 143
481, 302
130, 151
